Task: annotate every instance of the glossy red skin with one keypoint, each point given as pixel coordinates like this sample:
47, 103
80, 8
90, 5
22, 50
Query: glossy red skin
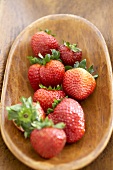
71, 113
34, 76
78, 83
52, 73
69, 57
48, 142
42, 42
47, 97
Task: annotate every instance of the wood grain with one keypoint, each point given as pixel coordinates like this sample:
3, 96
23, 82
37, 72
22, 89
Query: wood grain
16, 84
16, 15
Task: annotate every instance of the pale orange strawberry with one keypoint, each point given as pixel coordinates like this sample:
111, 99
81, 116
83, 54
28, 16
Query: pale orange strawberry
78, 83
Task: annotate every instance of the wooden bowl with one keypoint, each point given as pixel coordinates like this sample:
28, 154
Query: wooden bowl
97, 107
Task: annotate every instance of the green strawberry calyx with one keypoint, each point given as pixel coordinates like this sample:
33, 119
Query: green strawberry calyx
47, 123
54, 104
43, 60
72, 47
48, 32
24, 114
58, 87
82, 64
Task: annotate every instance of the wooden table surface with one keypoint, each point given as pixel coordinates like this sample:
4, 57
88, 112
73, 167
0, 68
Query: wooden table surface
15, 15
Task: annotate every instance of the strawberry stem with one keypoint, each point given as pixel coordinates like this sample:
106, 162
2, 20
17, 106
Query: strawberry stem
47, 123
43, 60
82, 64
34, 60
72, 47
58, 87
68, 68
60, 125
49, 32
24, 114
54, 104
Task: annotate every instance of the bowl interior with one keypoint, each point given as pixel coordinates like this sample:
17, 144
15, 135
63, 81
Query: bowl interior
97, 107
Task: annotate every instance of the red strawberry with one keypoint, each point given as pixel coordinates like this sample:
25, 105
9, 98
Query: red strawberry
24, 113
46, 97
69, 54
71, 113
78, 83
47, 139
33, 76
52, 73
48, 142
43, 42
49, 72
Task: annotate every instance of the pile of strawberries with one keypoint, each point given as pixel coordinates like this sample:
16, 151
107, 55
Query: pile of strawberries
54, 117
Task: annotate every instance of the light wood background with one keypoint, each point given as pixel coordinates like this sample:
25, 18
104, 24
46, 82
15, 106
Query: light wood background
15, 15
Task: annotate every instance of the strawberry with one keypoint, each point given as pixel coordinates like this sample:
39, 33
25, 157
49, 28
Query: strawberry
24, 113
34, 76
78, 83
47, 96
51, 70
69, 54
52, 73
48, 141
71, 113
42, 42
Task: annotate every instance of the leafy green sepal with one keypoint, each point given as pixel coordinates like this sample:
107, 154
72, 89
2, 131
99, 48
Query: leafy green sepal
43, 60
